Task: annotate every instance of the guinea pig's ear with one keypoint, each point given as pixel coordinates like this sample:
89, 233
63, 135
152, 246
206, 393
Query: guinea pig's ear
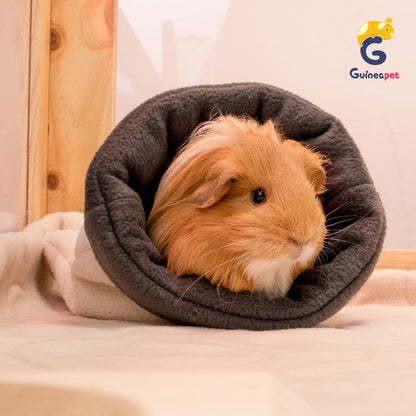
212, 191
315, 171
270, 130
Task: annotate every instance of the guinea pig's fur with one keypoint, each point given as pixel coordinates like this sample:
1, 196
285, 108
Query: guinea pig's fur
207, 219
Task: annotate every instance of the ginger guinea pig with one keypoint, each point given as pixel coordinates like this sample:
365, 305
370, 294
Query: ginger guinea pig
239, 206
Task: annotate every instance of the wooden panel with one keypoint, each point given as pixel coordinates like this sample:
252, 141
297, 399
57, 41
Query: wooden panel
81, 101
397, 259
38, 110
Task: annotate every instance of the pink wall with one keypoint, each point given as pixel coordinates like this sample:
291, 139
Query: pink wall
12, 107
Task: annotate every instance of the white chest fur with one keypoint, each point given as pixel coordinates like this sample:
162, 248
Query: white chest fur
273, 278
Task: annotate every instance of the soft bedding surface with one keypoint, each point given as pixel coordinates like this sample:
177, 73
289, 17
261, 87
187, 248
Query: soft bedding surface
124, 174
360, 361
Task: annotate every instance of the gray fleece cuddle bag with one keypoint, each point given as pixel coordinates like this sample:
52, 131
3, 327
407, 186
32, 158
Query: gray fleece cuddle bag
124, 175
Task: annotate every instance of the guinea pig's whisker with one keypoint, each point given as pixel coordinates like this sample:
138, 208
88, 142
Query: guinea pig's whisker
222, 299
329, 248
224, 262
332, 250
336, 209
330, 243
189, 287
330, 239
339, 217
353, 224
238, 263
318, 263
333, 240
319, 260
324, 253
222, 279
204, 275
339, 222
327, 253
217, 249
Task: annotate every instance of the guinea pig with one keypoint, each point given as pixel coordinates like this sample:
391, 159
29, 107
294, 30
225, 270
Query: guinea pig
239, 205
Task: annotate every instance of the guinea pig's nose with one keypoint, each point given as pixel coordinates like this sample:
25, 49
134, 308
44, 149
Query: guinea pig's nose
301, 250
298, 242
299, 247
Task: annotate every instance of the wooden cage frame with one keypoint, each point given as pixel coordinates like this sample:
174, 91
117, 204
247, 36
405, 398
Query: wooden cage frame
71, 98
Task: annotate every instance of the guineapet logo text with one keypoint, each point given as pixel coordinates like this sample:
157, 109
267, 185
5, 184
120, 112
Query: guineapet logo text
374, 33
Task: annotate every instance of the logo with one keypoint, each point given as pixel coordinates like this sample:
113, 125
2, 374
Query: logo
373, 33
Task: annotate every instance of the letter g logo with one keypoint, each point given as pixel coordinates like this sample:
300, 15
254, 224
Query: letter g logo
374, 32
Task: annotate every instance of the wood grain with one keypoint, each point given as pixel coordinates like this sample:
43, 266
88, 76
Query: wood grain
397, 259
38, 110
82, 95
24, 114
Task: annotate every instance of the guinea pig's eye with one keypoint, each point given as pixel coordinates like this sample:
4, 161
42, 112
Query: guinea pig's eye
258, 196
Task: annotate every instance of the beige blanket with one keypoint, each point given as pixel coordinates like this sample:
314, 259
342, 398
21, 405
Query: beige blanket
360, 361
